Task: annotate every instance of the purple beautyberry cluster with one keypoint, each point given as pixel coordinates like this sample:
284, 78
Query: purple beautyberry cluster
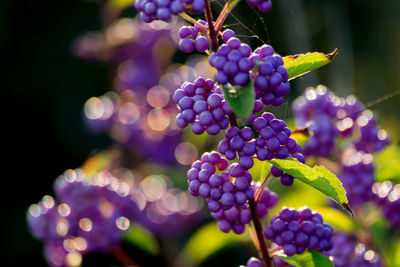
371, 138
220, 190
164, 9
266, 201
317, 110
232, 60
357, 176
90, 217
262, 5
347, 113
346, 252
387, 196
202, 104
253, 262
299, 230
193, 37
271, 80
323, 139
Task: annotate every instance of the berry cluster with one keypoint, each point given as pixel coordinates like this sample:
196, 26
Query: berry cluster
348, 112
357, 176
262, 5
271, 80
299, 230
192, 37
202, 104
233, 219
224, 190
253, 262
371, 138
346, 252
164, 9
267, 200
232, 60
387, 196
323, 139
91, 217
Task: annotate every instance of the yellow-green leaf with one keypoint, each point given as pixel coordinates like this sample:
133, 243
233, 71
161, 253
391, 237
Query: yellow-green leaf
301, 64
318, 177
309, 258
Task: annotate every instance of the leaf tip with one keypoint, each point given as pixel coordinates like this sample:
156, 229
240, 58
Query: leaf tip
347, 208
333, 54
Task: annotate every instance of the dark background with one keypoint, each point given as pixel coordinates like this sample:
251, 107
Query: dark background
44, 87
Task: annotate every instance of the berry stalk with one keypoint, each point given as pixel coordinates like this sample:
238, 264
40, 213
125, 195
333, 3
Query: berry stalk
123, 257
213, 33
259, 232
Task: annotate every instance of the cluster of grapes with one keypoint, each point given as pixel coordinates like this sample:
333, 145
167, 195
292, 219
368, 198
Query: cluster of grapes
387, 196
163, 10
262, 5
299, 230
232, 60
347, 252
271, 80
193, 37
202, 104
91, 216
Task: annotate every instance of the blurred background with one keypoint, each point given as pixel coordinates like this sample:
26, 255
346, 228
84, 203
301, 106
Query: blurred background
45, 86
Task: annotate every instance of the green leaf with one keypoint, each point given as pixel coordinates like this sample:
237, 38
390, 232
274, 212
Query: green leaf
301, 64
318, 177
241, 99
388, 164
209, 239
309, 258
142, 239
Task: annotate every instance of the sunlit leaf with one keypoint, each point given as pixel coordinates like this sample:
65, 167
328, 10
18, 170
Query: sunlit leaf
388, 164
318, 177
241, 99
301, 64
309, 258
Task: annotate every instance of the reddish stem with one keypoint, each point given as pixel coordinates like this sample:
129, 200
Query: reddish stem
259, 232
213, 33
123, 257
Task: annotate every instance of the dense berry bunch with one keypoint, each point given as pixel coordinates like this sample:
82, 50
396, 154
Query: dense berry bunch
323, 139
202, 104
316, 102
371, 138
193, 38
348, 112
90, 218
253, 262
267, 200
347, 253
387, 196
164, 9
271, 80
299, 230
233, 219
224, 190
357, 176
232, 61
262, 5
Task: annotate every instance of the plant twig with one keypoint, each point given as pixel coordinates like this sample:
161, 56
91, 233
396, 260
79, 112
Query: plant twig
123, 257
213, 33
259, 190
259, 232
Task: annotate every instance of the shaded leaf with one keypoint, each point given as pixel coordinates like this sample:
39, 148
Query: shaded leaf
241, 99
301, 64
318, 177
309, 258
143, 239
209, 239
